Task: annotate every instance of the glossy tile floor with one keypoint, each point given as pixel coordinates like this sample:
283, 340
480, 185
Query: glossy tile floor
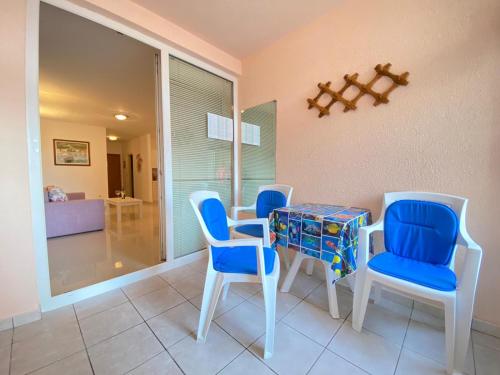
149, 328
84, 259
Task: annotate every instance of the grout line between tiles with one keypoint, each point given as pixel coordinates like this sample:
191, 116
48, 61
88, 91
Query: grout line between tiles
404, 338
158, 339
84, 344
11, 348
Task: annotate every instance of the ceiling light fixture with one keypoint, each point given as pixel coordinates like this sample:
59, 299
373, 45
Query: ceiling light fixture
121, 116
112, 137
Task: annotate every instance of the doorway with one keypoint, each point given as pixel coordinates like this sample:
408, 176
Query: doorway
114, 175
98, 108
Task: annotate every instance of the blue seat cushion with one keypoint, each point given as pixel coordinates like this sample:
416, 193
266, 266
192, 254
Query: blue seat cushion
421, 230
215, 218
241, 259
433, 276
267, 201
253, 230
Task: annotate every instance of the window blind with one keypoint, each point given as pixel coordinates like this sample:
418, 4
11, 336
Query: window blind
198, 162
258, 163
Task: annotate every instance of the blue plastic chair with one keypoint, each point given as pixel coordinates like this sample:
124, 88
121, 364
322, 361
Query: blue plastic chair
421, 234
269, 197
249, 260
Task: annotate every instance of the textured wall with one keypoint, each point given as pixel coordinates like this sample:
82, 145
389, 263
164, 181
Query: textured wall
17, 258
441, 133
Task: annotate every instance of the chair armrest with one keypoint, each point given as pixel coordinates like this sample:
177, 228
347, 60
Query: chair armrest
262, 221
236, 209
364, 241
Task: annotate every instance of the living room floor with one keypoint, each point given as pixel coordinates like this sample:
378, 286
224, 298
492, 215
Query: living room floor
150, 327
84, 259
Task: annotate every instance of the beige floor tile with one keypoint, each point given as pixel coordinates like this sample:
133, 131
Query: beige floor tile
200, 265
366, 350
179, 273
487, 360
319, 298
99, 303
175, 324
426, 340
388, 320
101, 326
428, 316
411, 363
246, 364
246, 323
51, 322
245, 290
294, 353
44, 344
232, 300
125, 351
329, 363
161, 364
5, 358
76, 364
6, 337
285, 302
144, 287
303, 285
157, 302
191, 286
315, 323
209, 357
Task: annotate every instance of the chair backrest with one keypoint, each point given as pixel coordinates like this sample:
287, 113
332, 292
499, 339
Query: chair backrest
271, 197
423, 226
211, 214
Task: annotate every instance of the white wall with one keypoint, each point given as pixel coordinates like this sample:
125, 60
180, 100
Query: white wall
142, 179
92, 180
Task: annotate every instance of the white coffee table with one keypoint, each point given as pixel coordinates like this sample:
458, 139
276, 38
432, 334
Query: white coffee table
119, 203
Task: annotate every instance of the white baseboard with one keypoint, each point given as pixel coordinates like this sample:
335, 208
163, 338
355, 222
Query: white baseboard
27, 317
486, 327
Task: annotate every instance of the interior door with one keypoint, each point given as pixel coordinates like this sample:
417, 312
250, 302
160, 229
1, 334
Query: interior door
114, 174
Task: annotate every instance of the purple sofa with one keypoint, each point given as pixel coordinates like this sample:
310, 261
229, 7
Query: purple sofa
77, 215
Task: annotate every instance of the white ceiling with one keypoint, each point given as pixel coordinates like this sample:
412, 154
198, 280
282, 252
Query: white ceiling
239, 27
88, 73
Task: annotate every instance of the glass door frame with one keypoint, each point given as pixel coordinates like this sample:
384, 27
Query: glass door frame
47, 301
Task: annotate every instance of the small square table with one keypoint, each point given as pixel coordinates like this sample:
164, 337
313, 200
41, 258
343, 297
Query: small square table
123, 202
322, 232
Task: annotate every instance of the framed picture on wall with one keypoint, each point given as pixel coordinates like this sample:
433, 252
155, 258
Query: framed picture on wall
68, 152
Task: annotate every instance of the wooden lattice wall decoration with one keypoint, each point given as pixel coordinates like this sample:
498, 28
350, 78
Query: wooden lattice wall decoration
351, 80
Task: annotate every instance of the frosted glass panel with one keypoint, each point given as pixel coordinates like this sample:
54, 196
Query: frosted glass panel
198, 162
258, 162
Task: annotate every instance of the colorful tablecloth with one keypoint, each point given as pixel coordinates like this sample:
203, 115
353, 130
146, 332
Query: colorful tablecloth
326, 232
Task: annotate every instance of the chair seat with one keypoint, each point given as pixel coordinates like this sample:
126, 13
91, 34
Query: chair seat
241, 259
437, 277
254, 230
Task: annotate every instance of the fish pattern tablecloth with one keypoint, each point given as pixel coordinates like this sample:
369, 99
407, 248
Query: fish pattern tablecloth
326, 232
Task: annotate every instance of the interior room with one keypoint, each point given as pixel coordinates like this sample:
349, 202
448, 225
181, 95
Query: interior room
98, 130
250, 187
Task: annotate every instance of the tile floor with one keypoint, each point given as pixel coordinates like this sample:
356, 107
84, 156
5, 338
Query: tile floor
149, 328
84, 259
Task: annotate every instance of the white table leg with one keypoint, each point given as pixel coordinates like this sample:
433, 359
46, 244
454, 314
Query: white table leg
292, 272
140, 210
310, 267
332, 291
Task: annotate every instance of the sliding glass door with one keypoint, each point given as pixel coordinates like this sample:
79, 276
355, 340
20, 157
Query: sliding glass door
258, 149
201, 154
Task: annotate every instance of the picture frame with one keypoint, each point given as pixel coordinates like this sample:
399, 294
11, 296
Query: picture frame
71, 153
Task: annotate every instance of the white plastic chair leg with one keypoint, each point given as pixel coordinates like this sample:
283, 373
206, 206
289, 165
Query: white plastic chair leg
332, 291
450, 324
361, 296
211, 292
292, 272
269, 288
310, 267
225, 290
